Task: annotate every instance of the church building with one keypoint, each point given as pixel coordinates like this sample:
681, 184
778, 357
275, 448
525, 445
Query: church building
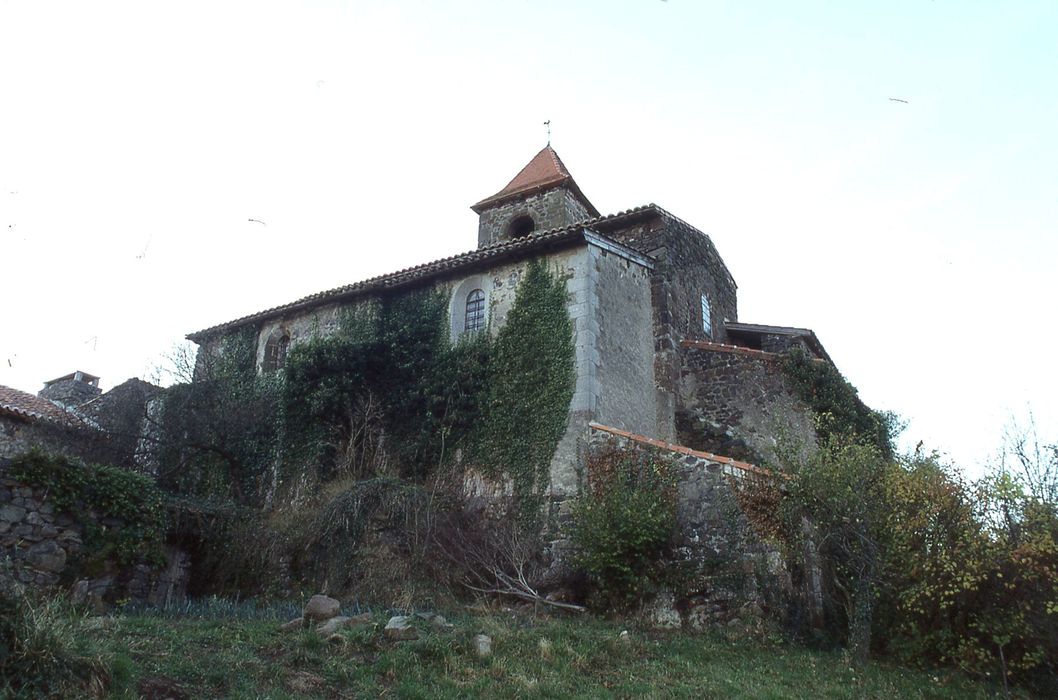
661, 355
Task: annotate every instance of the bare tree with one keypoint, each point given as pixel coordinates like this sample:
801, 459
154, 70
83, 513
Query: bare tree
496, 557
1032, 461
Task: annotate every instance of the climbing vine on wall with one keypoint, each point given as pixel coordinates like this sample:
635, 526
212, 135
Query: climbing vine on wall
389, 381
531, 380
841, 413
386, 394
111, 493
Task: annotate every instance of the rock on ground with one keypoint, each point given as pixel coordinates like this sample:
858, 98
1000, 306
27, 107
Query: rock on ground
399, 629
321, 607
336, 623
483, 645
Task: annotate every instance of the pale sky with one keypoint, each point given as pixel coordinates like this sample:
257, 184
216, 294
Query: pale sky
916, 237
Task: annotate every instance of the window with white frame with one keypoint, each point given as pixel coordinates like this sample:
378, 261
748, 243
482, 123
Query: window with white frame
707, 317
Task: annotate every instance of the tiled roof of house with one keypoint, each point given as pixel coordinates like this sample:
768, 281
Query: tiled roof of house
735, 329
29, 406
544, 171
537, 241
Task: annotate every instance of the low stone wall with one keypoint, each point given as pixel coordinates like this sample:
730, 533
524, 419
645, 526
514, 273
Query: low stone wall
46, 548
728, 573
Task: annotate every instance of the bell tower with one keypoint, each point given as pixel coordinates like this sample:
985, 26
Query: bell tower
543, 196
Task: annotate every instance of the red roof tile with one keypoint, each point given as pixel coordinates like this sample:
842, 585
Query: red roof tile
544, 171
20, 403
680, 449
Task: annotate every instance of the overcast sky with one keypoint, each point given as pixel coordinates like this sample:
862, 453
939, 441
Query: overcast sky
883, 173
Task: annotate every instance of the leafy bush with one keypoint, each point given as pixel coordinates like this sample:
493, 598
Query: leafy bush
921, 564
972, 574
839, 490
623, 524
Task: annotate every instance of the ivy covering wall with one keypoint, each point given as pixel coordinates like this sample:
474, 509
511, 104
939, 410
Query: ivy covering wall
132, 501
841, 415
387, 394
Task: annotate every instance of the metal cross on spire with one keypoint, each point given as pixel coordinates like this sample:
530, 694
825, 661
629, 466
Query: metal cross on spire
548, 125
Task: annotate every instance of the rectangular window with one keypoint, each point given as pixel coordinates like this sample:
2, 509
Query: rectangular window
707, 317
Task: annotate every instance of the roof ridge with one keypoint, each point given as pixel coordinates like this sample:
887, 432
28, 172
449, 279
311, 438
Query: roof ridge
391, 278
559, 165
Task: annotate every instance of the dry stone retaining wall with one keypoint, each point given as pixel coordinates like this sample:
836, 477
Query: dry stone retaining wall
45, 548
732, 576
738, 402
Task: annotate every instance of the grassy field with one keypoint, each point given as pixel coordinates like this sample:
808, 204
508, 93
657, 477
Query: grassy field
221, 655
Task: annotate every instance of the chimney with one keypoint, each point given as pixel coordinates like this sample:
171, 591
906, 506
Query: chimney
71, 390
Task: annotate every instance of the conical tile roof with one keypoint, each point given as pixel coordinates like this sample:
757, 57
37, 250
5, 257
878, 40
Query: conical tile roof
544, 171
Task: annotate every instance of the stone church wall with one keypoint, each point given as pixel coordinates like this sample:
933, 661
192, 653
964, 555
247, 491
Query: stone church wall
622, 324
686, 267
582, 266
737, 402
549, 210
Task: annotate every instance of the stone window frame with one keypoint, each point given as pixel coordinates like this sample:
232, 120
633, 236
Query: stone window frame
458, 306
275, 350
707, 316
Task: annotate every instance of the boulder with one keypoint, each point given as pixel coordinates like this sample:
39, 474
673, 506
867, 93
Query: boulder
47, 556
321, 608
336, 623
399, 629
295, 624
483, 645
11, 514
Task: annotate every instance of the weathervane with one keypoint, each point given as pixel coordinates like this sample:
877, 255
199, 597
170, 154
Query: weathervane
548, 125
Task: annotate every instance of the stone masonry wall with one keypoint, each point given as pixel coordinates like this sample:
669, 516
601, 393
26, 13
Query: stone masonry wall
686, 266
776, 342
18, 434
728, 574
554, 208
738, 402
500, 284
625, 343
73, 438
44, 547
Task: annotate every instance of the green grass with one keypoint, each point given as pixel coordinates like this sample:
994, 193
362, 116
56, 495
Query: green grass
249, 657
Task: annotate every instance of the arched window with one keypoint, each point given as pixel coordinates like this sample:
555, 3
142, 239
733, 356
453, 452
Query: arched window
475, 315
275, 355
522, 226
